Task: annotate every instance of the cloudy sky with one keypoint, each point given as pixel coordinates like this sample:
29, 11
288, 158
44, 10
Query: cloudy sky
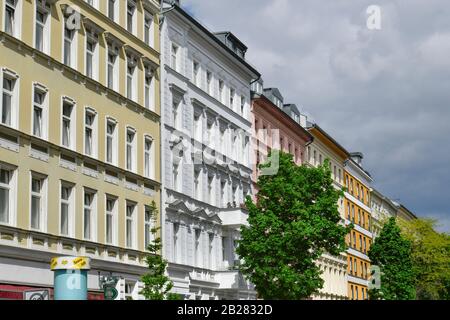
383, 92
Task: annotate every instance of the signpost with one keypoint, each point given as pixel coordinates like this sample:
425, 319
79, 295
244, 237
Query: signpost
108, 283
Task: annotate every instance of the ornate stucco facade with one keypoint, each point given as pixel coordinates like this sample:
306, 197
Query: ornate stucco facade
206, 159
79, 138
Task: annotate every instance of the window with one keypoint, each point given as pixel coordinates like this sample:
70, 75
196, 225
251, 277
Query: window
232, 93
174, 60
175, 113
5, 195
68, 124
209, 87
112, 9
210, 250
131, 149
353, 295
221, 91
148, 29
315, 157
197, 252
130, 225
37, 202
91, 55
351, 265
149, 88
89, 222
70, 47
131, 10
196, 73
148, 168
42, 27
320, 159
224, 247
9, 100
111, 220
93, 3
176, 228
90, 133
210, 189
223, 201
364, 245
175, 180
360, 243
148, 226
197, 189
198, 127
131, 83
40, 111
111, 141
243, 106
66, 209
12, 16
112, 67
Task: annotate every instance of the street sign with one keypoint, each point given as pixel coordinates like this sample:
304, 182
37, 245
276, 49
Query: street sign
111, 293
36, 295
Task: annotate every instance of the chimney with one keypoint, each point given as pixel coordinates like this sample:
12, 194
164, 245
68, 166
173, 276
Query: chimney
357, 157
303, 119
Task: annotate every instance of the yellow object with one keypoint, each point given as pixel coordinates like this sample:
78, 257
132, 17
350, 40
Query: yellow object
70, 263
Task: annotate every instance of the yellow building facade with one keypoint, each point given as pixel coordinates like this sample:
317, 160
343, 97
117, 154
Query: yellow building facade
79, 137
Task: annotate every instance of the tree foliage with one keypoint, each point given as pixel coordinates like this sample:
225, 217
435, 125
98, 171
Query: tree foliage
157, 284
294, 221
431, 258
392, 254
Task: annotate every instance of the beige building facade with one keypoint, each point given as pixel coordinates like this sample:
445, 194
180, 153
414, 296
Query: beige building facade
79, 139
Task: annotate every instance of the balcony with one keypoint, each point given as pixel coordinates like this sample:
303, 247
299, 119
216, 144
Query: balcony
234, 217
233, 280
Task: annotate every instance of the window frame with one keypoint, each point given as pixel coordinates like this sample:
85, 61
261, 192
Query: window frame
70, 202
42, 195
93, 127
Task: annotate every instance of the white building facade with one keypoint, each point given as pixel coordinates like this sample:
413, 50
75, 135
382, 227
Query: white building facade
206, 160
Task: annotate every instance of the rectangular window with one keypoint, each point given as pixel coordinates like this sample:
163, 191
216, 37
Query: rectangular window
232, 93
66, 209
111, 141
10, 16
91, 49
130, 224
112, 10
243, 106
175, 113
89, 215
110, 220
196, 73
131, 9
148, 29
131, 69
148, 226
175, 179
221, 91
68, 125
209, 87
174, 58
210, 250
112, 67
37, 202
149, 88
197, 193
5, 195
42, 28
197, 253
148, 157
90, 133
131, 149
39, 112
210, 189
69, 45
8, 100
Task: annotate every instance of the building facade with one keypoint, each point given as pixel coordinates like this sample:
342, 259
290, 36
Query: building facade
206, 170
79, 139
334, 268
358, 211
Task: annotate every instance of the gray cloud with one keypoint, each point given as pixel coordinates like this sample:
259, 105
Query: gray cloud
385, 93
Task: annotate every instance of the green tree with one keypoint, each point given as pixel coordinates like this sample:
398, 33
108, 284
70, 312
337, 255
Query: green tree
392, 254
431, 258
157, 284
294, 221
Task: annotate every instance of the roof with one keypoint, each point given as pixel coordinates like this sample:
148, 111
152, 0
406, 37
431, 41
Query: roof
216, 40
275, 92
292, 108
236, 39
315, 126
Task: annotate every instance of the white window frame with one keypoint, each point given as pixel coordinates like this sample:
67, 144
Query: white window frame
17, 18
149, 88
174, 56
209, 84
113, 49
133, 224
116, 10
91, 38
133, 145
113, 214
149, 172
131, 62
43, 8
73, 56
15, 96
71, 208
39, 88
94, 132
114, 141
72, 118
93, 3
176, 183
149, 29
92, 214
134, 17
221, 93
196, 72
42, 201
12, 193
232, 98
148, 226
